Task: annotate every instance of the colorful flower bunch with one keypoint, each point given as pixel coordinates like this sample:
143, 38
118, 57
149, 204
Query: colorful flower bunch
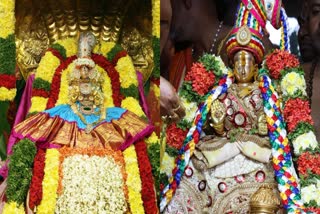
8, 51
203, 75
297, 115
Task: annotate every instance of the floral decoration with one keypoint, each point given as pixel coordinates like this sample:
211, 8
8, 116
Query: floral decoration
35, 190
148, 191
13, 207
7, 50
297, 115
83, 172
280, 60
133, 180
50, 182
175, 136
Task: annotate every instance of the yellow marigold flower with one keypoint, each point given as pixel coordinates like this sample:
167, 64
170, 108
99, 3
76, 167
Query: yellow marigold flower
50, 182
63, 97
127, 72
70, 45
133, 180
152, 139
156, 90
156, 18
13, 208
38, 104
106, 88
104, 48
167, 164
7, 18
47, 66
133, 105
292, 82
7, 94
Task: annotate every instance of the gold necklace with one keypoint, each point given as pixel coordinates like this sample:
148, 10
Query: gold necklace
90, 126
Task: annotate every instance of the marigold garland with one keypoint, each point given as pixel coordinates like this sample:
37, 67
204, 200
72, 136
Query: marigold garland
127, 72
50, 182
104, 47
132, 105
49, 62
8, 49
133, 180
70, 46
13, 208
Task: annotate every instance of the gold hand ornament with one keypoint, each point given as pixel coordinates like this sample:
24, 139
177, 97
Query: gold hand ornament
218, 114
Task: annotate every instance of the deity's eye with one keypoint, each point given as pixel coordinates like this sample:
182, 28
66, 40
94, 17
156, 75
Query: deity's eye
269, 6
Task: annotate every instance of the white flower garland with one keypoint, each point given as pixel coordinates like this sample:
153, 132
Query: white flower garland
91, 185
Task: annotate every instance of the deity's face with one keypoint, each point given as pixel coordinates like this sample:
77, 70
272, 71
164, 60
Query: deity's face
314, 23
244, 67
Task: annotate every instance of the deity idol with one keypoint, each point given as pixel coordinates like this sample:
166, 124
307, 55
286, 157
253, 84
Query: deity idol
83, 144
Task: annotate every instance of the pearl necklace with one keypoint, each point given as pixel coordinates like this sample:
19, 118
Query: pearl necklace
214, 39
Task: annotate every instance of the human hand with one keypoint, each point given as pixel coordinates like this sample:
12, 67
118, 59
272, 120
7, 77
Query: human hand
171, 109
253, 151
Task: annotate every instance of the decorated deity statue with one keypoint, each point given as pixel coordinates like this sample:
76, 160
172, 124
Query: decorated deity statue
78, 151
235, 158
229, 166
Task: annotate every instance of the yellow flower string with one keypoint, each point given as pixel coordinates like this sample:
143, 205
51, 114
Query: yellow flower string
152, 139
38, 104
70, 45
104, 47
156, 18
50, 182
127, 72
64, 86
13, 208
133, 180
106, 88
132, 105
7, 94
7, 18
47, 66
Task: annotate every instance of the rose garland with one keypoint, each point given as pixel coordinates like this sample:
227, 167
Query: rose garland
297, 115
8, 51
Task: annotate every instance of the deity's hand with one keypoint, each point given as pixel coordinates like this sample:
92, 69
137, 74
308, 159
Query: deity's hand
253, 151
218, 114
171, 108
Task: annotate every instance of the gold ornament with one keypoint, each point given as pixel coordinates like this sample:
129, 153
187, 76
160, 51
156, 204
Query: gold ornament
264, 201
243, 36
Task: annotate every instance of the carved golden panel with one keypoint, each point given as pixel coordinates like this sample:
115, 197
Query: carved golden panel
40, 23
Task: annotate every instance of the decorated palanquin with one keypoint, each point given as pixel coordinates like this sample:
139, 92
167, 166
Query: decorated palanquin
216, 159
69, 156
